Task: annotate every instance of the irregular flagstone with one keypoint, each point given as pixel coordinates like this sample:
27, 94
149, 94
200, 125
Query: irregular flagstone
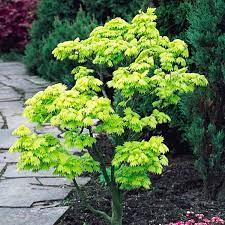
33, 91
9, 94
22, 84
2, 166
7, 157
37, 80
6, 138
29, 94
15, 121
12, 68
26, 198
48, 129
1, 86
13, 172
82, 180
4, 79
11, 108
1, 122
23, 192
63, 181
47, 216
54, 181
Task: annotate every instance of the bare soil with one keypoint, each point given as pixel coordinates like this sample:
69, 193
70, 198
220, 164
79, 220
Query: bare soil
176, 191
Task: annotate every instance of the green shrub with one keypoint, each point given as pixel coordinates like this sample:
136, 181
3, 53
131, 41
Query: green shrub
172, 17
62, 30
44, 24
205, 108
105, 9
131, 60
11, 56
43, 27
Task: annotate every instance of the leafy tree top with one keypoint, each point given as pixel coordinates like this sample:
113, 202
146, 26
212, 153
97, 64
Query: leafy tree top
131, 59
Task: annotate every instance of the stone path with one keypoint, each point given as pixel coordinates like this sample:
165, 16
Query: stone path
25, 197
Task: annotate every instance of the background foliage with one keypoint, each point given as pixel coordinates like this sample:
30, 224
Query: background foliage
199, 118
171, 22
172, 17
44, 64
15, 20
205, 109
75, 18
52, 17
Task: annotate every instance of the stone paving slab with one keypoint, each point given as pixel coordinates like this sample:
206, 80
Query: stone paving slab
63, 181
82, 180
37, 80
54, 182
13, 172
8, 157
15, 121
29, 94
23, 192
26, 198
1, 122
9, 94
11, 108
48, 129
23, 85
34, 216
12, 68
6, 138
2, 166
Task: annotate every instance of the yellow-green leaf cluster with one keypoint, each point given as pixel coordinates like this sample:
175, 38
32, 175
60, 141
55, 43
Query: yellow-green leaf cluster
44, 151
135, 159
131, 59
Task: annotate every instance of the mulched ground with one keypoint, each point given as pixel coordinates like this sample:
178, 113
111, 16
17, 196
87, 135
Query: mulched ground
176, 191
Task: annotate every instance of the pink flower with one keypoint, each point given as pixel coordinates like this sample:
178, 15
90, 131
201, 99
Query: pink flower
217, 219
199, 219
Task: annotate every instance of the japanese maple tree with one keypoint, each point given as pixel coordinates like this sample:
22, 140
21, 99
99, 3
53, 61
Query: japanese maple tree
129, 60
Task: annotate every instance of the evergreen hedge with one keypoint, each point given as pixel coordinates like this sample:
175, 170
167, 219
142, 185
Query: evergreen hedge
62, 30
205, 109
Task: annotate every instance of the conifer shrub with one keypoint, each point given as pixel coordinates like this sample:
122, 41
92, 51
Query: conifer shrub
105, 9
43, 26
45, 33
15, 20
48, 66
133, 61
172, 17
204, 109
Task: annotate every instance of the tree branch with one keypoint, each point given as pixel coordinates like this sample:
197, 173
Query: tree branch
93, 210
103, 86
101, 161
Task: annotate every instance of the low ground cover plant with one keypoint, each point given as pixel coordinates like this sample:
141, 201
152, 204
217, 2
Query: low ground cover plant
132, 63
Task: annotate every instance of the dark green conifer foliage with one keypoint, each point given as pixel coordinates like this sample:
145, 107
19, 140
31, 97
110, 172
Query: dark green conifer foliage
38, 59
59, 20
44, 24
205, 109
62, 30
172, 16
106, 9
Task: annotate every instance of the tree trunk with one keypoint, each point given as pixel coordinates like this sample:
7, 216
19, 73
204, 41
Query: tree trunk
117, 209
